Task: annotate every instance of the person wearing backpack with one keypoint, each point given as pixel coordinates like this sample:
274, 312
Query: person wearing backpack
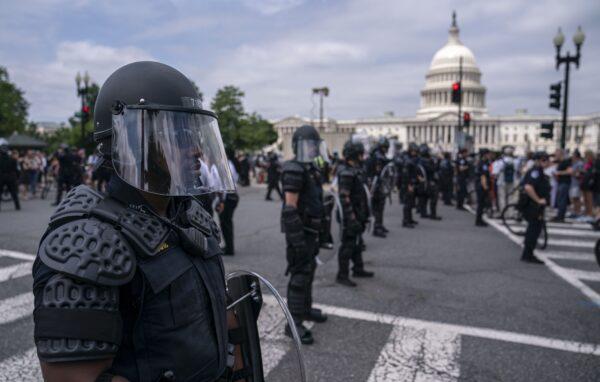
506, 177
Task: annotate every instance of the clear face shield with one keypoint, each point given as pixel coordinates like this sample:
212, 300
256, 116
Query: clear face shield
308, 150
169, 150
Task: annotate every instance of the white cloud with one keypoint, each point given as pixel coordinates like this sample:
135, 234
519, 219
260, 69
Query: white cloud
50, 87
271, 7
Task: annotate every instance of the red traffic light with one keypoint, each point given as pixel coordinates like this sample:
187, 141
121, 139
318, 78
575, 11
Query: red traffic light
85, 109
456, 86
467, 116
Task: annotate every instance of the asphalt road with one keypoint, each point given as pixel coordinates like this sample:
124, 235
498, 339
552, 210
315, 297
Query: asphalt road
449, 302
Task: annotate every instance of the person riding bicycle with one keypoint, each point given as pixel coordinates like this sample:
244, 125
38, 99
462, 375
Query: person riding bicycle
535, 198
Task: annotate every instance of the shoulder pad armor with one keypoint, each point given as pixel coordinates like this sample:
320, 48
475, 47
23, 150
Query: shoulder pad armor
197, 217
146, 232
90, 250
292, 166
293, 176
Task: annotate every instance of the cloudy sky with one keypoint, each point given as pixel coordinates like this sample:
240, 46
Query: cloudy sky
373, 54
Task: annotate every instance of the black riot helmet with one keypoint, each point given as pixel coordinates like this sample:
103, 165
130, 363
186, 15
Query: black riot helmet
308, 145
352, 151
383, 144
424, 150
149, 121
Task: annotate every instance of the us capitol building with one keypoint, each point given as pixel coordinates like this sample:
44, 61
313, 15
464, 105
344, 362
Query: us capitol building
436, 121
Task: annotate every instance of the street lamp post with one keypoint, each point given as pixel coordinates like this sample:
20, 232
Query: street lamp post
82, 91
567, 59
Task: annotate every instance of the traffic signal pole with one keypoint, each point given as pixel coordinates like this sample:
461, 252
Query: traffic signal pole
460, 74
563, 128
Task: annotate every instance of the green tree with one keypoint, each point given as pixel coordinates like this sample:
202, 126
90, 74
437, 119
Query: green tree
13, 106
238, 129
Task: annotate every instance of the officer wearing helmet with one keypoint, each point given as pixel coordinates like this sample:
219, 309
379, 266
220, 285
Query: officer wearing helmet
482, 186
429, 192
375, 165
129, 285
410, 183
301, 221
355, 213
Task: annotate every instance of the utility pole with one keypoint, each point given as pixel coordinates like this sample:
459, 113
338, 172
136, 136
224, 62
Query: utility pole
322, 92
460, 75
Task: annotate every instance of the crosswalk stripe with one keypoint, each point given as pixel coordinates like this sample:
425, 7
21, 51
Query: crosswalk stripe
22, 367
418, 355
584, 227
16, 255
584, 275
563, 232
570, 256
15, 271
572, 243
16, 307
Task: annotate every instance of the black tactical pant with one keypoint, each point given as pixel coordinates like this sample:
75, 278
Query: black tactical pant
325, 232
446, 189
11, 185
532, 233
273, 185
423, 198
434, 196
378, 205
482, 203
409, 204
226, 220
461, 192
301, 267
349, 250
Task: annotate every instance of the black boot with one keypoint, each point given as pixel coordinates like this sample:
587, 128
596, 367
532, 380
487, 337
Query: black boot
316, 315
378, 232
362, 273
481, 223
408, 225
385, 230
345, 281
304, 333
435, 217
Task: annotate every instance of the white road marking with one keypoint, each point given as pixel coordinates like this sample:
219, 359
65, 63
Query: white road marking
577, 226
422, 355
22, 367
274, 343
493, 334
17, 255
557, 269
570, 256
572, 243
584, 275
15, 271
16, 307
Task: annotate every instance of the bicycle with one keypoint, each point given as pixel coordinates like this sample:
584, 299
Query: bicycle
512, 219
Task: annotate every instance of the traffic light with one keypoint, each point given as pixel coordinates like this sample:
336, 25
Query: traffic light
456, 92
547, 130
85, 112
466, 119
555, 95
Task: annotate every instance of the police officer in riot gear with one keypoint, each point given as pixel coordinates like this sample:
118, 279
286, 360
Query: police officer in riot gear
301, 220
463, 169
129, 285
375, 165
429, 192
355, 213
410, 182
535, 198
482, 186
446, 171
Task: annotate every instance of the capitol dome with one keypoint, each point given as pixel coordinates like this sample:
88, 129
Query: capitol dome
444, 71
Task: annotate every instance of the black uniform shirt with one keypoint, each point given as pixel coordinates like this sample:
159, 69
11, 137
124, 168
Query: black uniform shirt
483, 169
462, 162
539, 180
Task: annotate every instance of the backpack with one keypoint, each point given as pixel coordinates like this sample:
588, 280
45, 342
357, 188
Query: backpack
509, 172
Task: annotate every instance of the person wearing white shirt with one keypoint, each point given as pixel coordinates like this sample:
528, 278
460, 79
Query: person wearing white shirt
504, 170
